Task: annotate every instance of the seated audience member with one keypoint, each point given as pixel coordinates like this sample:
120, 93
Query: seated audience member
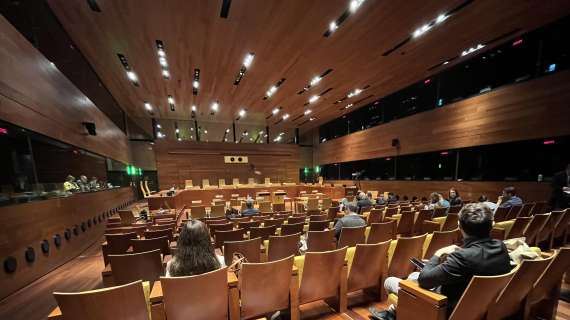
454, 198
94, 183
414, 199
561, 189
380, 200
350, 219
369, 196
249, 209
362, 201
405, 198
483, 200
195, 253
509, 198
451, 268
392, 198
437, 201
70, 185
83, 183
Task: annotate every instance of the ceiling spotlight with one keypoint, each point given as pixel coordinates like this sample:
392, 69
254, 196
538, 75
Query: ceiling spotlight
348, 106
308, 111
445, 62
170, 100
275, 111
195, 84
215, 106
286, 116
312, 119
260, 132
354, 93
161, 53
315, 80
191, 129
241, 113
333, 26
179, 139
313, 99
158, 126
355, 4
441, 18
162, 61
147, 106
194, 108
271, 91
248, 59
228, 130
132, 76
177, 130
166, 73
160, 135
472, 49
205, 131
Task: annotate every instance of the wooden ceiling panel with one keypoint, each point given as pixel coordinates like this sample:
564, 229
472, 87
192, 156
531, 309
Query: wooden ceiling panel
287, 39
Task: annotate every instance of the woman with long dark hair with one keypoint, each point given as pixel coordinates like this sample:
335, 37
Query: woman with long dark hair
454, 198
195, 253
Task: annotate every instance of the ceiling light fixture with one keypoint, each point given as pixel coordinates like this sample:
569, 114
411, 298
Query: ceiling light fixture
472, 49
428, 26
274, 112
353, 6
286, 116
162, 59
308, 111
171, 103
194, 108
215, 107
333, 26
247, 61
131, 75
158, 126
271, 91
313, 99
196, 82
314, 81
241, 113
148, 106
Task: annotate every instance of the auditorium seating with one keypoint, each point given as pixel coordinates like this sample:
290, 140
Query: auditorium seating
250, 249
318, 241
405, 248
367, 266
351, 236
126, 268
279, 247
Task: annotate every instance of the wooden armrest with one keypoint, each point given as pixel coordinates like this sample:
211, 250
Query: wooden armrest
431, 297
156, 293
107, 271
55, 314
104, 243
232, 279
295, 270
431, 222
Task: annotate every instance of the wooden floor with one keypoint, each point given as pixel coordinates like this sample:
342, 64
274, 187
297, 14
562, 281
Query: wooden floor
84, 272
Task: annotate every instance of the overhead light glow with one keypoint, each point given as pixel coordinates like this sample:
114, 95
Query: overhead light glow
215, 106
241, 113
286, 116
162, 61
333, 26
147, 106
315, 80
132, 76
195, 84
308, 111
312, 119
472, 49
160, 135
354, 93
441, 18
354, 5
228, 130
205, 130
177, 130
445, 62
275, 111
348, 106
166, 73
248, 59
170, 100
161, 53
194, 108
158, 126
313, 99
271, 91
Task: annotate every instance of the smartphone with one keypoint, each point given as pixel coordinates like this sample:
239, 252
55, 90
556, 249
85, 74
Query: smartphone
417, 263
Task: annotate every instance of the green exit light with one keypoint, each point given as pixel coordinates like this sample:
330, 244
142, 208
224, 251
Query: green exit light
306, 170
317, 169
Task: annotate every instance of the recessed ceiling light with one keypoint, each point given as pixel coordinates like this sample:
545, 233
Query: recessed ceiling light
312, 119
162, 61
313, 99
161, 52
354, 5
271, 91
147, 106
286, 116
191, 129
158, 126
170, 100
177, 130
215, 106
132, 76
228, 130
308, 111
315, 80
333, 26
248, 59
241, 113
275, 111
166, 73
441, 18
194, 108
205, 131
472, 49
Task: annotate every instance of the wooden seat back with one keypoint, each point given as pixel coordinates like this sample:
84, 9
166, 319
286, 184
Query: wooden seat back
451, 221
218, 210
380, 232
550, 279
127, 217
250, 249
151, 234
143, 245
482, 289
293, 220
246, 225
312, 204
369, 266
277, 222
510, 300
199, 297
265, 287
120, 302
318, 217
119, 243
538, 208
326, 203
439, 212
318, 241
228, 226
390, 211
265, 206
406, 223
501, 214
351, 236
406, 248
454, 209
536, 224
146, 266
514, 212
561, 227
321, 275
423, 215
526, 209
332, 213
231, 235
278, 207
440, 239
375, 216
291, 228
517, 230
283, 246
318, 225
262, 232
198, 212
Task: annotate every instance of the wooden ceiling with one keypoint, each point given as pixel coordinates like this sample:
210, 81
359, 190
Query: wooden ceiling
288, 42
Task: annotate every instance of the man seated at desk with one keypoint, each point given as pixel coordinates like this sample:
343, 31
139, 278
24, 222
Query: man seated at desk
249, 209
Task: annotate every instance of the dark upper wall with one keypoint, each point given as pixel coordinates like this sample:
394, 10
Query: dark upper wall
529, 110
35, 95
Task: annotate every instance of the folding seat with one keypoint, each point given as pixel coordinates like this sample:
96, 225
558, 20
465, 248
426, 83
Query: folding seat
351, 236
438, 240
292, 228
280, 247
380, 232
318, 241
367, 266
250, 249
143, 245
126, 268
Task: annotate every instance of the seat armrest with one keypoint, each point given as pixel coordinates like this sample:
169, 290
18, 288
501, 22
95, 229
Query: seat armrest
428, 296
156, 293
107, 271
431, 226
232, 279
498, 233
55, 314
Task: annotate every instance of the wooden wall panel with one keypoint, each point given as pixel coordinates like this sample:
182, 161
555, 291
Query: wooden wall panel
27, 225
469, 190
36, 96
179, 161
534, 109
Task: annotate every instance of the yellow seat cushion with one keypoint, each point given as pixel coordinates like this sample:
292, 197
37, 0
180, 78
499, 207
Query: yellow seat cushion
391, 250
506, 225
299, 262
397, 217
393, 299
350, 256
426, 243
440, 220
266, 246
366, 233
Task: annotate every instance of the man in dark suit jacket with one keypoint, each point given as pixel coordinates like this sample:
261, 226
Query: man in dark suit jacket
561, 189
451, 268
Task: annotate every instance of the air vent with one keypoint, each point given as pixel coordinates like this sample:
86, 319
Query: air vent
224, 13
93, 5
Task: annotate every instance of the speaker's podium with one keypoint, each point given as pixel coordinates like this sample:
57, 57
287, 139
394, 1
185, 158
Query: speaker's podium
263, 195
278, 197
